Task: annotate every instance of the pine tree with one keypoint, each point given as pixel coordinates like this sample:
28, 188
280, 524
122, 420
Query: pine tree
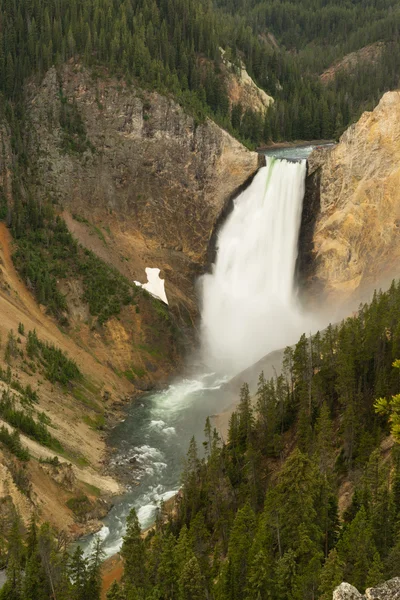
35, 586
375, 572
191, 585
13, 588
357, 549
115, 592
134, 554
93, 578
240, 542
331, 575
167, 573
77, 571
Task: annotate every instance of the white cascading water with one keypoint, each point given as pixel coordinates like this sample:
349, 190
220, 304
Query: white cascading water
249, 305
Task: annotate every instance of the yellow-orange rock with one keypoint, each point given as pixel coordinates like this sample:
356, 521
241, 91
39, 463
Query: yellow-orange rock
356, 242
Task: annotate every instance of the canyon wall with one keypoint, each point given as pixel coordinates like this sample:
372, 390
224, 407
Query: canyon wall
145, 171
350, 238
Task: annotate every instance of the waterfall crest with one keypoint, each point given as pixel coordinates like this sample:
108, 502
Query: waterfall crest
249, 304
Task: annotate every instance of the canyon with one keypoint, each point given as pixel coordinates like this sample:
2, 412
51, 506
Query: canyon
150, 187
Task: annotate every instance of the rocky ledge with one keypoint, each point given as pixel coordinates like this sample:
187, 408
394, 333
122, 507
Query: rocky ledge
390, 590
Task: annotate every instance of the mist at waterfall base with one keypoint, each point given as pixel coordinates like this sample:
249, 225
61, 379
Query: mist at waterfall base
249, 307
249, 302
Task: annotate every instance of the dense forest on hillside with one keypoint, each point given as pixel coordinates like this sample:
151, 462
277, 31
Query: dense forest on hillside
265, 515
175, 47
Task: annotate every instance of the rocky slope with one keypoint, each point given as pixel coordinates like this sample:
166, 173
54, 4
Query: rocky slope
242, 89
151, 178
46, 485
349, 241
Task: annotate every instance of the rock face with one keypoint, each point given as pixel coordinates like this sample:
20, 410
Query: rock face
390, 590
152, 175
242, 89
345, 591
355, 190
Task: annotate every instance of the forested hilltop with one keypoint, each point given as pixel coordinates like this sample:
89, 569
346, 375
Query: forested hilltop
175, 47
304, 494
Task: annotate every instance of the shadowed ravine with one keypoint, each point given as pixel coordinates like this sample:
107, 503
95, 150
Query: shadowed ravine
249, 308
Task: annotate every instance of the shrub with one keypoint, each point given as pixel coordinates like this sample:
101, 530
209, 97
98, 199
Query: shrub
27, 424
12, 441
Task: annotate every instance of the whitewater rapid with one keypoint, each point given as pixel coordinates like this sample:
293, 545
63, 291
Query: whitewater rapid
249, 300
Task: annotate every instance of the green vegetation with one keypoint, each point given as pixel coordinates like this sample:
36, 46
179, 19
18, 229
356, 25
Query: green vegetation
391, 409
3, 204
74, 138
46, 252
80, 506
39, 567
54, 462
11, 351
24, 422
28, 395
98, 422
106, 290
175, 48
135, 372
258, 516
58, 368
13, 443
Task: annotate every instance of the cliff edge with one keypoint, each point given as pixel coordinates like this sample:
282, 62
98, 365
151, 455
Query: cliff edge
351, 241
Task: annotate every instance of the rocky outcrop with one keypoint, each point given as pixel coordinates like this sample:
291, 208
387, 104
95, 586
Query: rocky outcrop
146, 171
390, 590
355, 190
242, 89
345, 591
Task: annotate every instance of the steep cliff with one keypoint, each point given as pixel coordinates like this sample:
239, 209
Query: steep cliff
352, 241
147, 174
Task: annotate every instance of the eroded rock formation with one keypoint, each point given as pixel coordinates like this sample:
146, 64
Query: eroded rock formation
353, 207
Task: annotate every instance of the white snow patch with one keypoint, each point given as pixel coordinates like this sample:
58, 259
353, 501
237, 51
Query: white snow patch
155, 285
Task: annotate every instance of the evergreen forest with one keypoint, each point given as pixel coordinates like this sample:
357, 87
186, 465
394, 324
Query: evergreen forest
175, 47
305, 492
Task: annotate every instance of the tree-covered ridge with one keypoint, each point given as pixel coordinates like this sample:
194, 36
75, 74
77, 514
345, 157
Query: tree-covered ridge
174, 47
258, 517
339, 27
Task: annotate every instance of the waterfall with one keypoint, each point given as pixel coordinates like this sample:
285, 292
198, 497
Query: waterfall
249, 304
